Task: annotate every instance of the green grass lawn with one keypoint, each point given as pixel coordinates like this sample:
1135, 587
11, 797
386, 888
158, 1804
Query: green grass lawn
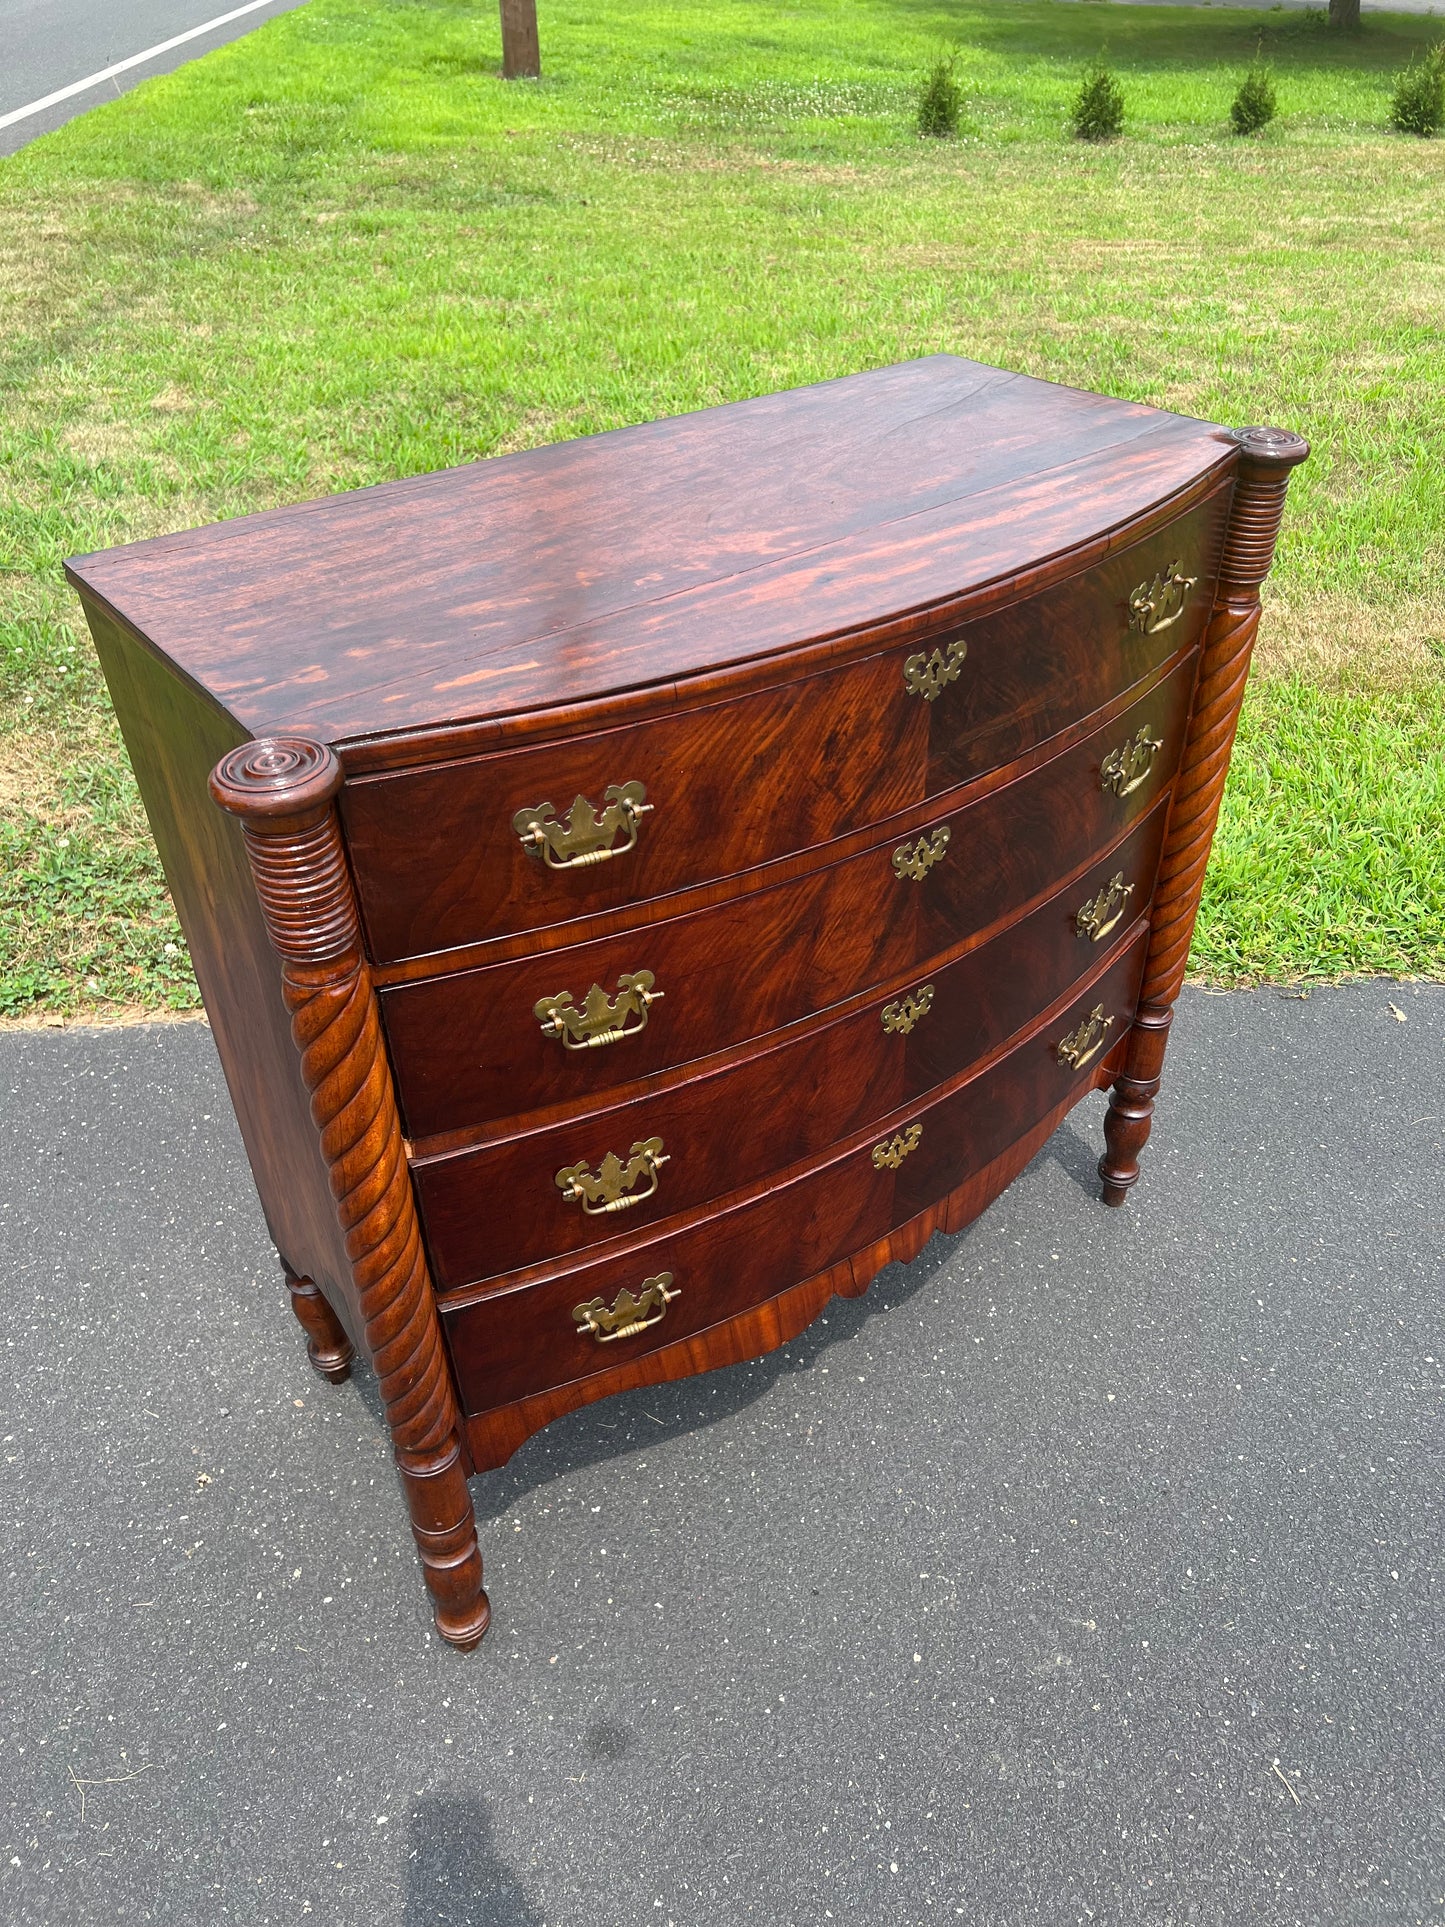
342, 249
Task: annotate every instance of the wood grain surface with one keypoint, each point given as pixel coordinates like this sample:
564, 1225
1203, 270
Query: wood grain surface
736, 783
513, 1341
627, 560
495, 1206
467, 1047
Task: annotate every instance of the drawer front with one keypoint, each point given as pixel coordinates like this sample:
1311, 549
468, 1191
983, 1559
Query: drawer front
496, 1207
470, 1047
439, 859
531, 1338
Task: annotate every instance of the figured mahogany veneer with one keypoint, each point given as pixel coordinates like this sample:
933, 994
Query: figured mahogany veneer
495, 1207
467, 1045
438, 864
900, 709
521, 1339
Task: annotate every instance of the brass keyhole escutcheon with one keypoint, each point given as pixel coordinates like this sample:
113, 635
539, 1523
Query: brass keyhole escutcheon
584, 836
612, 1187
913, 861
904, 1012
627, 1314
891, 1153
928, 675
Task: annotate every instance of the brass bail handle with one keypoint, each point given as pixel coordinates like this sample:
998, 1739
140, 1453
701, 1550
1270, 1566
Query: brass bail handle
1126, 767
601, 1019
628, 1314
585, 836
611, 1187
1086, 1040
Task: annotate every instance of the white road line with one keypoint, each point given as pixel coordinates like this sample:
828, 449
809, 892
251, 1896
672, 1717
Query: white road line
135, 60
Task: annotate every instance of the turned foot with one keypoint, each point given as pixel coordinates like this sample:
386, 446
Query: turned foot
327, 1345
444, 1527
1131, 1103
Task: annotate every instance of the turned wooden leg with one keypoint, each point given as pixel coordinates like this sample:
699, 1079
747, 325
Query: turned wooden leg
1266, 457
327, 1345
283, 790
1131, 1103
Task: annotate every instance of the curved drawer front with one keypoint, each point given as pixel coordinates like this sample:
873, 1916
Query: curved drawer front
533, 1337
465, 851
471, 1047
497, 1206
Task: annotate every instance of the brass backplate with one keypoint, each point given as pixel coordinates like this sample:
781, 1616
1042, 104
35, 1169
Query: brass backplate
627, 1314
1096, 918
1125, 768
1086, 1040
891, 1153
904, 1012
913, 861
611, 1187
602, 1019
584, 835
1155, 605
928, 675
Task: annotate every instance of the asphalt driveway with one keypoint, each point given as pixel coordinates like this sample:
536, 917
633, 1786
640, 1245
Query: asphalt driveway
1087, 1570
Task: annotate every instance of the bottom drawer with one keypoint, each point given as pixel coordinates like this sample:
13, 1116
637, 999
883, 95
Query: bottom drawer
538, 1333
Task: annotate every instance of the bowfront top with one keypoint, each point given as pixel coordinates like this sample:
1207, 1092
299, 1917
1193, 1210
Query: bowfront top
626, 560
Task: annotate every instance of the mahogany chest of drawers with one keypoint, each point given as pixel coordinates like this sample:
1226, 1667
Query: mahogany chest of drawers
660, 878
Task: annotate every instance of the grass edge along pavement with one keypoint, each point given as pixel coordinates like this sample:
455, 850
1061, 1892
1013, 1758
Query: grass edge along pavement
342, 250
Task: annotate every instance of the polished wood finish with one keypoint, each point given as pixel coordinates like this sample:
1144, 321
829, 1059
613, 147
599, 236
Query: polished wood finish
467, 1045
512, 1341
930, 676
327, 1346
625, 561
283, 791
494, 1206
438, 863
1267, 457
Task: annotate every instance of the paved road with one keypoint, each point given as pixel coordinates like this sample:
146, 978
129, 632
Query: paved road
47, 44
997, 1597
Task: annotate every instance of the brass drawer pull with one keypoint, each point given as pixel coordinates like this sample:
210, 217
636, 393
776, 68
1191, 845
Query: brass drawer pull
1155, 605
1086, 1040
626, 1316
611, 1188
929, 675
915, 860
1096, 918
1125, 768
890, 1154
602, 1019
904, 1012
587, 835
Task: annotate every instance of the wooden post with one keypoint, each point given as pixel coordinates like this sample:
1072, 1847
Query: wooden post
283, 790
1266, 457
521, 52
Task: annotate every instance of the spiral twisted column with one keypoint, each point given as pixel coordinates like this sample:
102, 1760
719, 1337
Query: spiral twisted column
283, 791
1266, 457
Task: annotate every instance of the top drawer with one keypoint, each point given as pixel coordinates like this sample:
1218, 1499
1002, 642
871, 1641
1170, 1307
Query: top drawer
464, 851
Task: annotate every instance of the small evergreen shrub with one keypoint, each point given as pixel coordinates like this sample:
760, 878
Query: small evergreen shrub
1098, 111
1254, 105
940, 101
1418, 103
